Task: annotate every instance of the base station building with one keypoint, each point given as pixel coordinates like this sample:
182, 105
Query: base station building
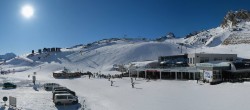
209, 67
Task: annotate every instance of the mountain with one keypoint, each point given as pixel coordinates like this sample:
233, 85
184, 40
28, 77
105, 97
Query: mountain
235, 29
7, 56
103, 54
170, 35
235, 17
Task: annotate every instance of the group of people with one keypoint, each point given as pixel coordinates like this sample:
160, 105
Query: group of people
7, 72
110, 77
97, 75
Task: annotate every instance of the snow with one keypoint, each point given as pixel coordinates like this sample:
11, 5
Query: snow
153, 95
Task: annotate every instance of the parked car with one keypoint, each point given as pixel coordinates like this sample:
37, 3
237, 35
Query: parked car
64, 89
58, 88
65, 99
50, 86
9, 85
59, 92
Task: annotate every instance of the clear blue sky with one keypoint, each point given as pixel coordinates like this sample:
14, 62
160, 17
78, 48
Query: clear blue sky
65, 23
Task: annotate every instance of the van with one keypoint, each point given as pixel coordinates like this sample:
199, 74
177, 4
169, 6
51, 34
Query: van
59, 92
65, 99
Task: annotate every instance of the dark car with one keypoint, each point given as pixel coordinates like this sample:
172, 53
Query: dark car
9, 85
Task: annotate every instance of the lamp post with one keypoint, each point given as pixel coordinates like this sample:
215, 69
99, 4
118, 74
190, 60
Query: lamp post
128, 71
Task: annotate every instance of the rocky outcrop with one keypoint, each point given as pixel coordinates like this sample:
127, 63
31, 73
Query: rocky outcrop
233, 18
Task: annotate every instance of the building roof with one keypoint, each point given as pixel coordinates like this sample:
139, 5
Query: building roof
213, 53
214, 64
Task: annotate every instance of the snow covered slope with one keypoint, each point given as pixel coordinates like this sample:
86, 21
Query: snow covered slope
103, 55
98, 56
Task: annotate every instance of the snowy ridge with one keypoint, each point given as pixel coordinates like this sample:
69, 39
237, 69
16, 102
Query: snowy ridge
7, 56
100, 56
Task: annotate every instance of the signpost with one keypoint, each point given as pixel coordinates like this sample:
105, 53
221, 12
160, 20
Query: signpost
208, 75
12, 101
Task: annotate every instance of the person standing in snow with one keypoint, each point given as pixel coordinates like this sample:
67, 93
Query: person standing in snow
112, 83
133, 84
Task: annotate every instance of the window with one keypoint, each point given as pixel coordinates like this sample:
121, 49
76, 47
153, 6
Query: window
70, 97
229, 59
61, 97
218, 59
193, 60
204, 59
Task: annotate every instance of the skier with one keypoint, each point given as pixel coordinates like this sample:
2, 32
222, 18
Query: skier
112, 83
133, 84
131, 80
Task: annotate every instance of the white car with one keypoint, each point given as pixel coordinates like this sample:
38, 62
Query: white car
50, 86
63, 99
58, 88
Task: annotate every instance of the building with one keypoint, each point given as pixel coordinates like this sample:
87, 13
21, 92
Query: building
195, 58
208, 67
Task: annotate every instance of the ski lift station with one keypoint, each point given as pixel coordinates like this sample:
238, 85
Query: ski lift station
209, 67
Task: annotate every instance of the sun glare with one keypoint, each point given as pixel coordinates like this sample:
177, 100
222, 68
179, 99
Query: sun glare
27, 11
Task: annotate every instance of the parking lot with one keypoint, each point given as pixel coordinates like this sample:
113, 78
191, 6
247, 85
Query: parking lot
30, 96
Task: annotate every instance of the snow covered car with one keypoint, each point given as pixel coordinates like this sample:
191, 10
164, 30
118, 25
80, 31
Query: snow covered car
50, 86
65, 99
9, 85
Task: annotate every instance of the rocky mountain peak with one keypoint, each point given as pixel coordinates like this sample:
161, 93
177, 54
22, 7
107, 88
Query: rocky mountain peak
232, 18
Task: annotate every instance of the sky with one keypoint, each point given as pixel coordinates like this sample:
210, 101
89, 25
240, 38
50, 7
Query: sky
65, 23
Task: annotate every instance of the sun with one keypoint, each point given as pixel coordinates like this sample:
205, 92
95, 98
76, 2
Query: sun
27, 11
